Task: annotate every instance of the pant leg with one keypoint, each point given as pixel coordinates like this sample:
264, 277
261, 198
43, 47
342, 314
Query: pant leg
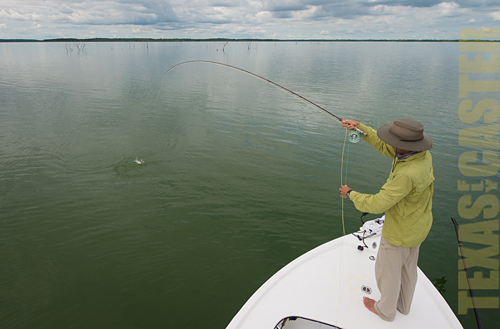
408, 280
388, 269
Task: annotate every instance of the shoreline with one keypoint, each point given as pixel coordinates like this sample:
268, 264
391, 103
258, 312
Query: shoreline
231, 40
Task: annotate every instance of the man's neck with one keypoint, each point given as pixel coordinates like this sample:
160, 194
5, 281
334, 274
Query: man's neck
406, 155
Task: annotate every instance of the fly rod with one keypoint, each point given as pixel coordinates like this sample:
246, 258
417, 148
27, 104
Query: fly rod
469, 282
307, 101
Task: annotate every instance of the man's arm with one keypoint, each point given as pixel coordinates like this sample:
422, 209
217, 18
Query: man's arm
371, 137
393, 191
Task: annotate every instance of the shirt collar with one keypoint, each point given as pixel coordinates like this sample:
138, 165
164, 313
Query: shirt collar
407, 155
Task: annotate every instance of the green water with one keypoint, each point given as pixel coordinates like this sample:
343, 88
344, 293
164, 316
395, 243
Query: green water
238, 178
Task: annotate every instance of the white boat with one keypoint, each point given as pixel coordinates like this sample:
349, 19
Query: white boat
324, 289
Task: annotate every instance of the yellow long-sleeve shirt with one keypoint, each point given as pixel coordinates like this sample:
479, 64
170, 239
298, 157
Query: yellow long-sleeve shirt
406, 197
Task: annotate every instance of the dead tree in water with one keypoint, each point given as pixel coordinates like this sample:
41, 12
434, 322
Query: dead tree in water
68, 48
80, 46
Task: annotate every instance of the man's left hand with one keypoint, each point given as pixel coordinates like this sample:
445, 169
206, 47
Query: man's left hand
343, 190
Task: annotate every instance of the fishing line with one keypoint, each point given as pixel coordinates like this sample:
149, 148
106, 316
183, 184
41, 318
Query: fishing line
346, 278
353, 138
341, 174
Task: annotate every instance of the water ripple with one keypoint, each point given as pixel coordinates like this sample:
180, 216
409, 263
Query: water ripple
92, 161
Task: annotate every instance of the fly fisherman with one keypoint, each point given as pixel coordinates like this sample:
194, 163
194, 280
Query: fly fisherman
406, 199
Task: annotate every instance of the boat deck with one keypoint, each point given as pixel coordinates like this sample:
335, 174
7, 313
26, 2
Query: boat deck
324, 288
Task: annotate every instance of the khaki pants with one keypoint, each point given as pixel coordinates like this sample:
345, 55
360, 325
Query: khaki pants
396, 274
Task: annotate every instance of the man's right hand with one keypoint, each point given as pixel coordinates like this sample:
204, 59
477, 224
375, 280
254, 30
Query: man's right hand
350, 124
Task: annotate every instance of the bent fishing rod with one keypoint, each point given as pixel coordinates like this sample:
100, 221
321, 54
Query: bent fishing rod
469, 282
307, 101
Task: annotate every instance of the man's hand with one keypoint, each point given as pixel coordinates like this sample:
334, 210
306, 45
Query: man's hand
343, 190
350, 124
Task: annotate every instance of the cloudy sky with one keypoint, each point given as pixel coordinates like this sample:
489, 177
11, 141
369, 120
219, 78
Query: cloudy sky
280, 19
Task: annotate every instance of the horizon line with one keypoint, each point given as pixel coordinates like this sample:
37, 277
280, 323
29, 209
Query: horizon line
236, 40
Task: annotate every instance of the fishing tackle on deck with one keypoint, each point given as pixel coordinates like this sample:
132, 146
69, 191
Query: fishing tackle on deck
307, 101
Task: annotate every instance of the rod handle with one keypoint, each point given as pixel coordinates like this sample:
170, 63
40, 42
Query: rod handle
357, 129
361, 131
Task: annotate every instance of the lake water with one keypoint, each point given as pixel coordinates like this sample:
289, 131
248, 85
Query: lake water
239, 178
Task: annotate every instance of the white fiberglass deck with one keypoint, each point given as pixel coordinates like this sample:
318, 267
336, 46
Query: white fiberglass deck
326, 285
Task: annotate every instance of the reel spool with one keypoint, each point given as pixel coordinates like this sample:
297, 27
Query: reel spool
354, 137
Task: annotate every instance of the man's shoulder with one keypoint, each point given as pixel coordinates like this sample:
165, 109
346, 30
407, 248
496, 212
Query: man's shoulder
416, 164
418, 158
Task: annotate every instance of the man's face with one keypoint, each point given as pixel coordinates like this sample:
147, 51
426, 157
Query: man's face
400, 151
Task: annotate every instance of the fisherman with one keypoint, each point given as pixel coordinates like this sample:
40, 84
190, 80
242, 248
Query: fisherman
406, 199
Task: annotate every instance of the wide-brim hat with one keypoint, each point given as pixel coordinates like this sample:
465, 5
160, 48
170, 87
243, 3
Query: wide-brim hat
406, 134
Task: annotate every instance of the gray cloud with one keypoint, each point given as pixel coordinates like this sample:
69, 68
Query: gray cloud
105, 12
430, 3
407, 3
287, 5
345, 9
163, 10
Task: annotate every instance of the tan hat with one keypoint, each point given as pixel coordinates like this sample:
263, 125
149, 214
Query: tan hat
406, 134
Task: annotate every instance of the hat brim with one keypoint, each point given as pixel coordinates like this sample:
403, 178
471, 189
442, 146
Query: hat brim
385, 134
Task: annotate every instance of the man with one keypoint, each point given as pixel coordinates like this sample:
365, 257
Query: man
406, 199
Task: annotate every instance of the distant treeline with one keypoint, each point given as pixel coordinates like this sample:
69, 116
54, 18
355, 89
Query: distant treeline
232, 40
